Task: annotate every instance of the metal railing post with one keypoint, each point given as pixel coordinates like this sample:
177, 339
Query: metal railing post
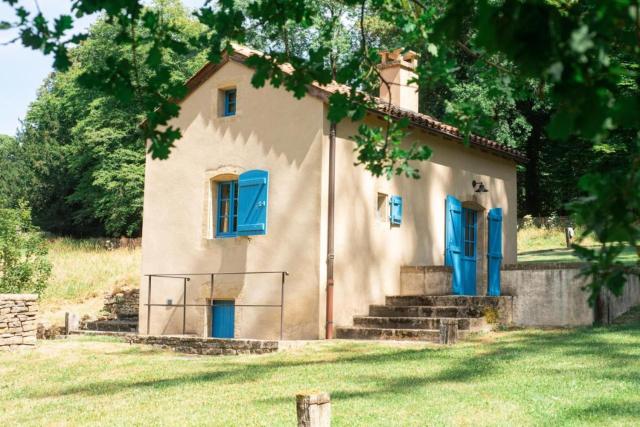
213, 277
149, 306
282, 305
184, 306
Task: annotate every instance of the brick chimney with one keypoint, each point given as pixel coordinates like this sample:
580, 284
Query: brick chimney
397, 69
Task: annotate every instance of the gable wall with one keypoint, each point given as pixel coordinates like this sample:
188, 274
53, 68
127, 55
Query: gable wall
369, 253
271, 131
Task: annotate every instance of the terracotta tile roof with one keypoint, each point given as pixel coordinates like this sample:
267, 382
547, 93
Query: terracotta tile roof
241, 53
426, 121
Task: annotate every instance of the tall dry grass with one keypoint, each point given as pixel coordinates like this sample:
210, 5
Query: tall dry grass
541, 238
84, 269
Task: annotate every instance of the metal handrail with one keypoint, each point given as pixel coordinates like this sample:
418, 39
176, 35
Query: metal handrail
185, 277
182, 275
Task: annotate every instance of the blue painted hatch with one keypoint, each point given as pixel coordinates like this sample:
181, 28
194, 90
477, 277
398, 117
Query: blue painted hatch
223, 318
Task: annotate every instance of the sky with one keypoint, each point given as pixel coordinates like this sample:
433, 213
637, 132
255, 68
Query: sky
23, 70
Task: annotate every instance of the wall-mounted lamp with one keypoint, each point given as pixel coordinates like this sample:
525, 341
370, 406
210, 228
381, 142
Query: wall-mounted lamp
479, 187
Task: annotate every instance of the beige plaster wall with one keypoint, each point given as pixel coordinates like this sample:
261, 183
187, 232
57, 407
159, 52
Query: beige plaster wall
271, 131
370, 252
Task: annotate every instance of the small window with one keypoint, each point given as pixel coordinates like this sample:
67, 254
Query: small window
381, 207
227, 214
229, 103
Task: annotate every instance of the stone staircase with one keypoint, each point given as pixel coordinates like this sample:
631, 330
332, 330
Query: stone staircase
119, 314
418, 317
112, 325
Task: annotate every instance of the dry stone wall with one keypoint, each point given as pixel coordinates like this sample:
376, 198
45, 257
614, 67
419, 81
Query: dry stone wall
122, 304
208, 346
18, 318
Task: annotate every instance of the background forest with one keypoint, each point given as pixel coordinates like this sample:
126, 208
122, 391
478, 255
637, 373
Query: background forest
78, 161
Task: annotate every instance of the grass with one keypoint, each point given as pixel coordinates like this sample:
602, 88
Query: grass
548, 245
628, 256
533, 377
83, 270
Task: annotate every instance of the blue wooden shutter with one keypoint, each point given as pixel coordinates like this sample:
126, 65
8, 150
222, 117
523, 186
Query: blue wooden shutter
494, 251
253, 191
395, 213
453, 241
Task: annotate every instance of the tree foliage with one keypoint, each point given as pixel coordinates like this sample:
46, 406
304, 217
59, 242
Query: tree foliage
24, 266
572, 66
81, 155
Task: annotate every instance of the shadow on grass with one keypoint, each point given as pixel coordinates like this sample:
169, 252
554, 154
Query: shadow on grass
604, 412
358, 363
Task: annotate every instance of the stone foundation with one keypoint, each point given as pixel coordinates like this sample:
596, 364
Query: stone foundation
18, 320
206, 346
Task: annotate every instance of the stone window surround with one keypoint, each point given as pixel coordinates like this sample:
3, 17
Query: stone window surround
211, 177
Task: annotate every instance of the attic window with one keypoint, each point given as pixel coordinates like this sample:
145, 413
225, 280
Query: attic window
228, 102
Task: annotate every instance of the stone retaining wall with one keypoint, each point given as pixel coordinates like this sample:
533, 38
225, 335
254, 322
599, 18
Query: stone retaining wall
208, 346
18, 318
552, 295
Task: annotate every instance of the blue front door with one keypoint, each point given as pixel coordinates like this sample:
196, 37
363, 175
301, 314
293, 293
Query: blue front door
469, 248
223, 318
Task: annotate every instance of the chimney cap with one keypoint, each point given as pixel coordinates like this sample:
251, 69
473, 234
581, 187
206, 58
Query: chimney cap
396, 56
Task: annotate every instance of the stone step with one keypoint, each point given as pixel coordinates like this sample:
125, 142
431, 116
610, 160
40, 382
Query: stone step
442, 300
424, 311
467, 324
359, 333
101, 333
112, 325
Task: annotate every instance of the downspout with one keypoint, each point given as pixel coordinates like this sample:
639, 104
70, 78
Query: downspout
330, 229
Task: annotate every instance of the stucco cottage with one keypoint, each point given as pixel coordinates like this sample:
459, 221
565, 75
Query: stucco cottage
247, 190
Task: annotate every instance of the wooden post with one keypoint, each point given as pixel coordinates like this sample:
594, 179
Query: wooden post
314, 409
448, 331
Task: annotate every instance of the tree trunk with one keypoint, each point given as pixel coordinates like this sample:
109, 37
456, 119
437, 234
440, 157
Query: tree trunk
533, 148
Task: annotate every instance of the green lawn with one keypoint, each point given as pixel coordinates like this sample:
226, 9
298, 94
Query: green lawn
548, 245
532, 377
628, 256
